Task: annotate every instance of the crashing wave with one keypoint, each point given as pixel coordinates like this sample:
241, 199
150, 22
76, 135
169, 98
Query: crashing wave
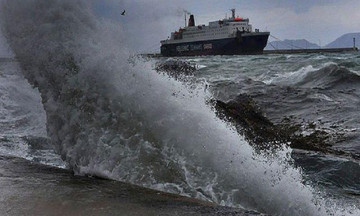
111, 118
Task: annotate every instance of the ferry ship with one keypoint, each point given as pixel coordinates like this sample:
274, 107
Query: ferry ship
232, 36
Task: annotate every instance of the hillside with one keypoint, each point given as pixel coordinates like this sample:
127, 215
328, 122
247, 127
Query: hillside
291, 44
345, 40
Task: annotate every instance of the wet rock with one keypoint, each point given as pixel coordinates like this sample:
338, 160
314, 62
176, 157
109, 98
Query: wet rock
249, 121
263, 134
175, 68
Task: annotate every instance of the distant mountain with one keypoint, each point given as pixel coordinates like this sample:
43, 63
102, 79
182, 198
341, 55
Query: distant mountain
345, 40
291, 44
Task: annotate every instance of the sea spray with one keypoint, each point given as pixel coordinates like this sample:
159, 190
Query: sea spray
109, 117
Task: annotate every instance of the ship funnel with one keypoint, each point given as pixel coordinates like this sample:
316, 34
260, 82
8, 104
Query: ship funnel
191, 20
233, 13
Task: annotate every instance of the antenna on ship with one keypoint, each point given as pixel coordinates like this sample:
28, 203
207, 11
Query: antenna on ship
185, 19
186, 13
233, 13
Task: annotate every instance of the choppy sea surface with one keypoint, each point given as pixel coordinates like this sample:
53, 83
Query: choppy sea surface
320, 88
112, 116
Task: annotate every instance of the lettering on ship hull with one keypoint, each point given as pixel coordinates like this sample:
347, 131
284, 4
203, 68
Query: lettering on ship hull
182, 48
208, 46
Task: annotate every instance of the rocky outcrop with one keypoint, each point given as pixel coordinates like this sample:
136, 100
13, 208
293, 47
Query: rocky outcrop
175, 68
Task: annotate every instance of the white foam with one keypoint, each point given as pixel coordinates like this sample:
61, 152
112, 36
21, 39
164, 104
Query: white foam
291, 77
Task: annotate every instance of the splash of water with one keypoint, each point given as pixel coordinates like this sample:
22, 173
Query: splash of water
114, 117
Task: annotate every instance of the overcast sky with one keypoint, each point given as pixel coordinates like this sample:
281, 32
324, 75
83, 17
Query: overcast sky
319, 21
149, 21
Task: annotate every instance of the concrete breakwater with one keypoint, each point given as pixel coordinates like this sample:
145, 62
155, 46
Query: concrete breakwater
297, 51
29, 188
285, 51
